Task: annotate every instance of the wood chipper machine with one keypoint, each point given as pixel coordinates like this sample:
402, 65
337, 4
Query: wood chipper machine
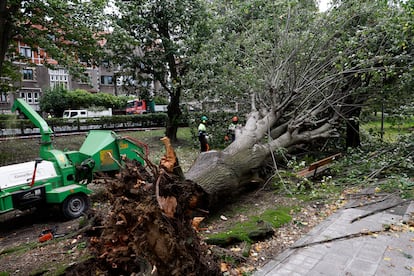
61, 177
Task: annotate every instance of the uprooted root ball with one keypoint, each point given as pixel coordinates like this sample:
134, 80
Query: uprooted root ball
139, 236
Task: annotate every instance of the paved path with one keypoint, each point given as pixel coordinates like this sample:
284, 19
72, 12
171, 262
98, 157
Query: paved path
385, 253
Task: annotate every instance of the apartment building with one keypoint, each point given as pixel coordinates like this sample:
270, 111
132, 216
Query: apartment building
36, 78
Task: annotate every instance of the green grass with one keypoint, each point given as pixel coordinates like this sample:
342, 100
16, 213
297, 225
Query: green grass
55, 269
393, 127
184, 148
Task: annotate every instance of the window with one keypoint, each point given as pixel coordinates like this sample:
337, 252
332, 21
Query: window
26, 52
85, 60
31, 96
28, 74
107, 80
77, 114
3, 97
59, 77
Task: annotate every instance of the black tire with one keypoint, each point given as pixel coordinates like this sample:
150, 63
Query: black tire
75, 205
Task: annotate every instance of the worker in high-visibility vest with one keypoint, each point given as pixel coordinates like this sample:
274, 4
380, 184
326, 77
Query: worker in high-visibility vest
202, 134
231, 130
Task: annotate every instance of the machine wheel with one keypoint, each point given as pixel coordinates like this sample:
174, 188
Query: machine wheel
73, 206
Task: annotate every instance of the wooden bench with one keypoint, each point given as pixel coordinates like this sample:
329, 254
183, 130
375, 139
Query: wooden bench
318, 166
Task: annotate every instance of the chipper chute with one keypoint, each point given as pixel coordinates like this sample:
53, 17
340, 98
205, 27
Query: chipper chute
109, 149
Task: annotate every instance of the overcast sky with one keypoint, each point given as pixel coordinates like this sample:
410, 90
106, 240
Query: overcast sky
323, 5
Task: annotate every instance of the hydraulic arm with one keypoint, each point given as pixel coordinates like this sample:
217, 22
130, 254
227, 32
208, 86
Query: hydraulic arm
38, 121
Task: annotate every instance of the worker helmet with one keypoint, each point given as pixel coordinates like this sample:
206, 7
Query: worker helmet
204, 118
235, 119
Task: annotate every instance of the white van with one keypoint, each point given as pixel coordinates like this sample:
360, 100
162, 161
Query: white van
79, 113
83, 113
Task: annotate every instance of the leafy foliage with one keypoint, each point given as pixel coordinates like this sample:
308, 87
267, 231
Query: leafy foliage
388, 167
378, 33
54, 101
66, 30
235, 60
149, 47
378, 160
310, 67
57, 99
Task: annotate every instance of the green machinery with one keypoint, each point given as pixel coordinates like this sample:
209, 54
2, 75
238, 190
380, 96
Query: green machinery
61, 177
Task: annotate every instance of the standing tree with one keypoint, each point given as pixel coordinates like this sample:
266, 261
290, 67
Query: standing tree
378, 34
151, 40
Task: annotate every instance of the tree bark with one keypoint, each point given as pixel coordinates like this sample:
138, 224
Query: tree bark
6, 29
174, 114
224, 174
174, 111
353, 139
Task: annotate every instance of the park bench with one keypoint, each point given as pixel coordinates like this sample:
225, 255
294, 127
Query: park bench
318, 166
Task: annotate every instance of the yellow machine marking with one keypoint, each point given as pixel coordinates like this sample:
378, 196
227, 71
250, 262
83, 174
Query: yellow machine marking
105, 156
123, 145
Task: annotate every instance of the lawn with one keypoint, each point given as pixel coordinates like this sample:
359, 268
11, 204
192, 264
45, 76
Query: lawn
393, 127
23, 150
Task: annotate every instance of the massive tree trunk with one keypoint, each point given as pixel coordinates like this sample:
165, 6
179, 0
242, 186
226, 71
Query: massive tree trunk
223, 174
174, 114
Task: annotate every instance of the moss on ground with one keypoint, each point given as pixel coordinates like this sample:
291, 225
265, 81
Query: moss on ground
241, 231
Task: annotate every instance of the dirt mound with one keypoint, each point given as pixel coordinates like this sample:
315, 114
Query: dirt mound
149, 227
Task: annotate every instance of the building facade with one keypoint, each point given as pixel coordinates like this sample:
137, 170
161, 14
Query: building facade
36, 78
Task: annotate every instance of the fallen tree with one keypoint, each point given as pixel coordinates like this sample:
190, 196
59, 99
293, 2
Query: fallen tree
313, 84
300, 105
309, 95
225, 173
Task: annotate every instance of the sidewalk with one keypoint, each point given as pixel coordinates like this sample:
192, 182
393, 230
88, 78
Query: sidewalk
339, 246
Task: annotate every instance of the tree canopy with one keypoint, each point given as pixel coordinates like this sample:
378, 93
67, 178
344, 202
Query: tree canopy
302, 63
151, 41
67, 30
245, 36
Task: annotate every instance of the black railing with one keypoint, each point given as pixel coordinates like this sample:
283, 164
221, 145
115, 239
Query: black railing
21, 127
